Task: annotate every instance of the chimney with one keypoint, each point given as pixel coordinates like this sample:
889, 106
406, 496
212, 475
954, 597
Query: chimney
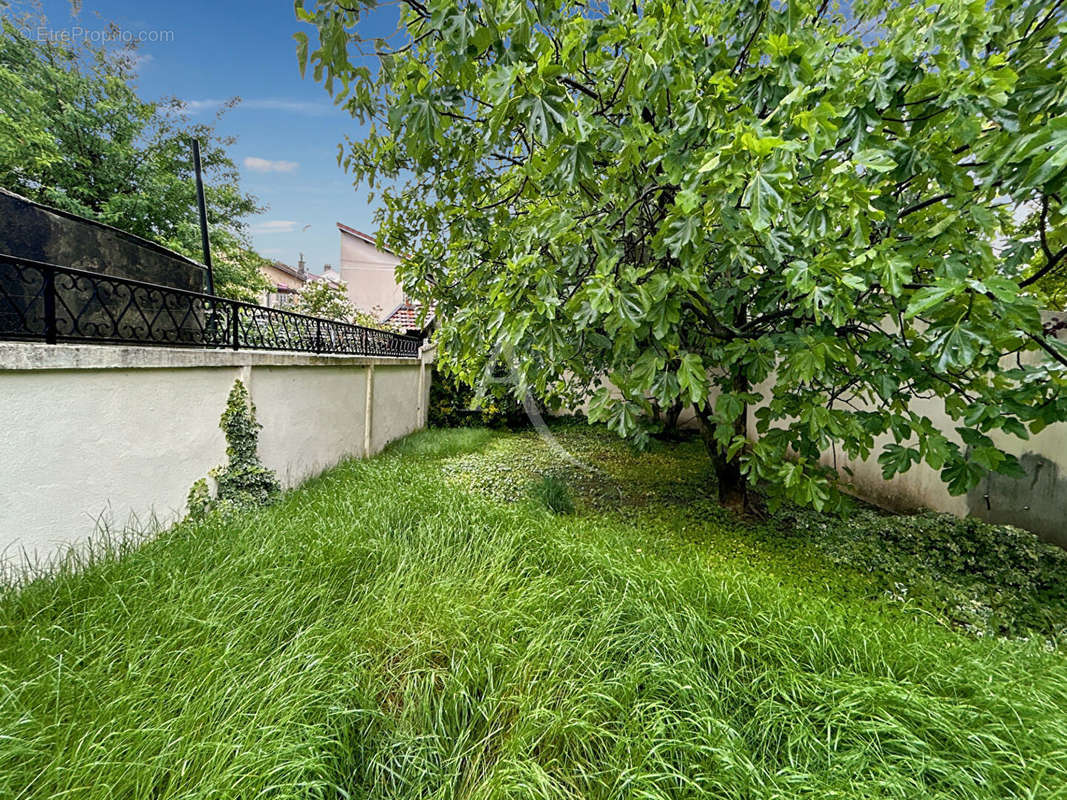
301, 267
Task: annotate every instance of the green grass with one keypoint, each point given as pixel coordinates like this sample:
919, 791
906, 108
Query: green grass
553, 493
968, 574
396, 630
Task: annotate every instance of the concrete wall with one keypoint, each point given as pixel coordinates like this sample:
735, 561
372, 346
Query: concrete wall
120, 434
40, 233
1037, 502
397, 398
370, 274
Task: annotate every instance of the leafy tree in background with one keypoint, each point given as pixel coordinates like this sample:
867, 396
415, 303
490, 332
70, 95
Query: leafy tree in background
372, 319
326, 300
455, 404
75, 135
330, 301
732, 200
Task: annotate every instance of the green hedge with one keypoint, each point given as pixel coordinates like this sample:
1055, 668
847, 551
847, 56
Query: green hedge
452, 405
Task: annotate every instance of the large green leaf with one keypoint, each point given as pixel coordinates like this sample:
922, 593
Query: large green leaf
692, 379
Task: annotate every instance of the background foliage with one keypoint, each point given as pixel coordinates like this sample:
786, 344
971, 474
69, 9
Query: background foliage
326, 300
455, 403
74, 134
330, 301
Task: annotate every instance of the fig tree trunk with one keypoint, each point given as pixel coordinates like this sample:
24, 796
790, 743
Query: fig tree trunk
732, 486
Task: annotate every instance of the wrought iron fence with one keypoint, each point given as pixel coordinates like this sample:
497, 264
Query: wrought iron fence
50, 303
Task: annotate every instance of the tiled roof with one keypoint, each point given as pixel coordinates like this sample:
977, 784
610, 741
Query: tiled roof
278, 265
405, 317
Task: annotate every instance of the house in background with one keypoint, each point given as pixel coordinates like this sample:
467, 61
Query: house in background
331, 275
404, 318
287, 281
370, 274
367, 272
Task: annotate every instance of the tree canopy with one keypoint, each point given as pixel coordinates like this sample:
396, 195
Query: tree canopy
325, 299
695, 200
74, 134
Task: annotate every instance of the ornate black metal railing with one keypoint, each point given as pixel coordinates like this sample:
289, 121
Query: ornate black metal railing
50, 303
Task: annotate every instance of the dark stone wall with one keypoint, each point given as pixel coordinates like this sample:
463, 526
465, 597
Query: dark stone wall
34, 231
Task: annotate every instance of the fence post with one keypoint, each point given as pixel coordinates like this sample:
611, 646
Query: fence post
318, 335
49, 305
236, 332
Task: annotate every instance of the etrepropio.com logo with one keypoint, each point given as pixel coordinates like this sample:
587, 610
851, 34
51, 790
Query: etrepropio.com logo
106, 35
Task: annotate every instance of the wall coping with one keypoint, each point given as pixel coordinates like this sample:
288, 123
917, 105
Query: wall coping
17, 356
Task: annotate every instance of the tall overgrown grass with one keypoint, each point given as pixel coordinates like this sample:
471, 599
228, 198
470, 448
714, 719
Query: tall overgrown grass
379, 634
552, 492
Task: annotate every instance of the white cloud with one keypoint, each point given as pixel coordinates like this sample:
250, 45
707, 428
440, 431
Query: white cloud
301, 107
290, 106
266, 165
196, 106
275, 226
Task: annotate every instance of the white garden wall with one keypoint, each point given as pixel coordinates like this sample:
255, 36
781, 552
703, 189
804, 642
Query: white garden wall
1037, 502
120, 434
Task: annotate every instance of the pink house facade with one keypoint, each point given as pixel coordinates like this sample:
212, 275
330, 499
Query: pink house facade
369, 273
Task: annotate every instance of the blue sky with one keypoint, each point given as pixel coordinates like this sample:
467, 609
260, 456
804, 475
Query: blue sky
286, 127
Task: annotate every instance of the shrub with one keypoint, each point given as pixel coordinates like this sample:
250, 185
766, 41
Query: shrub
199, 500
453, 405
985, 578
553, 492
244, 482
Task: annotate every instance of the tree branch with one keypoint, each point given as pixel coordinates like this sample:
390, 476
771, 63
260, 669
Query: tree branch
580, 87
924, 204
1051, 259
1048, 349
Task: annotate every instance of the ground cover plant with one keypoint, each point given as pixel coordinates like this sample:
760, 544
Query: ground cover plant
243, 482
394, 629
982, 578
